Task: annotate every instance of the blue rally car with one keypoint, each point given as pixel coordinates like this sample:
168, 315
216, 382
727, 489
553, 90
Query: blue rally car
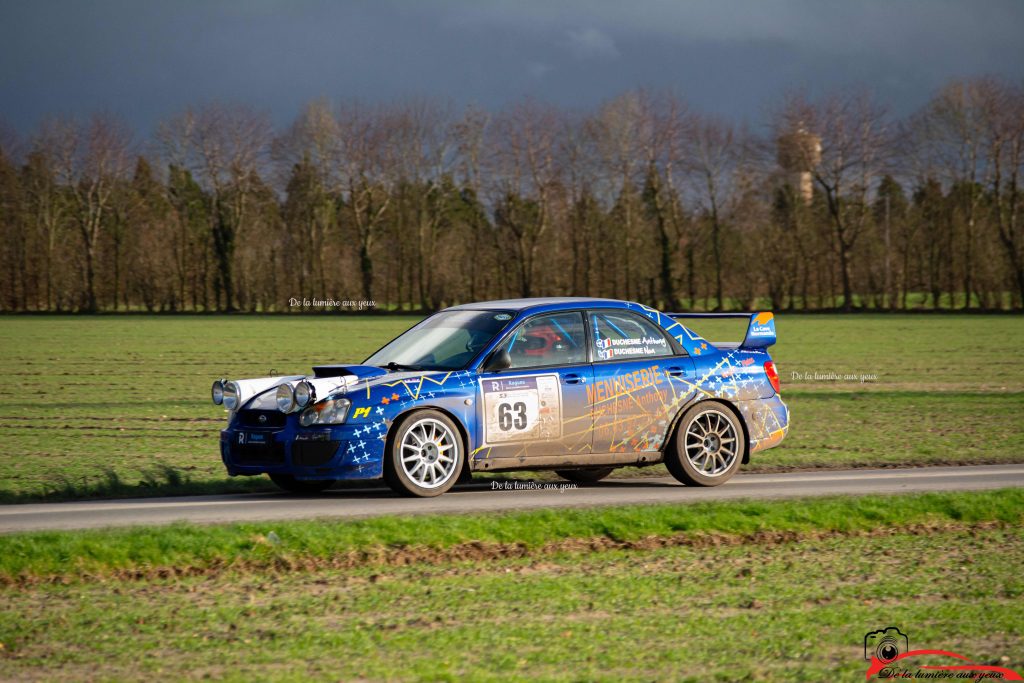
577, 385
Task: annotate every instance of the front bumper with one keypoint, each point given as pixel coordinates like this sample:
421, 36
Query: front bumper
260, 442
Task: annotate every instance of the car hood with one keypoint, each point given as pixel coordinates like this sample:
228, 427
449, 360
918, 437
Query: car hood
352, 379
336, 380
360, 372
363, 377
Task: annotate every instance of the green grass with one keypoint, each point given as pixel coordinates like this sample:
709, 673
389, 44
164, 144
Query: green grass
70, 554
128, 394
766, 608
113, 405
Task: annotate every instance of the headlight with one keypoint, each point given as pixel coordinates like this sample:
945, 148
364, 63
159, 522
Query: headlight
325, 413
231, 392
304, 394
285, 398
217, 392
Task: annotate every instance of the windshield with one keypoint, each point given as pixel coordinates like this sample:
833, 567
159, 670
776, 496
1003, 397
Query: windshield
448, 340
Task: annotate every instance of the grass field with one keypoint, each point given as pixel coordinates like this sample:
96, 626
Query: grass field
117, 405
770, 591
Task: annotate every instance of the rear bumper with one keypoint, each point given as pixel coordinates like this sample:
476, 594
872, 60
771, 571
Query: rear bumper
767, 421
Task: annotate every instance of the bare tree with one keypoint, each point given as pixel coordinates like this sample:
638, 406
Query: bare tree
949, 140
638, 198
13, 146
855, 136
524, 171
623, 129
309, 162
14, 237
224, 146
48, 202
579, 169
712, 160
364, 135
665, 153
469, 134
91, 158
420, 155
1005, 145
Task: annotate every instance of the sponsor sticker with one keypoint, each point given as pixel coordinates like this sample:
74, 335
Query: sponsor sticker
637, 347
522, 408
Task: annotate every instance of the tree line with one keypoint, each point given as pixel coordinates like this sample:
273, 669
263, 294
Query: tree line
833, 204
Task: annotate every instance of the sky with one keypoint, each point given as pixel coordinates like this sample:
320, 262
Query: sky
146, 60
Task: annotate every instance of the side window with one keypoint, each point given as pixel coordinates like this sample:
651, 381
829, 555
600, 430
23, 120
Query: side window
623, 336
553, 339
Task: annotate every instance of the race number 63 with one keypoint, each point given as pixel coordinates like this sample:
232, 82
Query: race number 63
521, 408
512, 415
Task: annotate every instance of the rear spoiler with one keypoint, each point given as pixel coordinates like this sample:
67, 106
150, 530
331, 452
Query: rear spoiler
760, 330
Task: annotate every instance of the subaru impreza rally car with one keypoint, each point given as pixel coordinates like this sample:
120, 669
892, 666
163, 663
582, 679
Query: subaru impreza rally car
576, 385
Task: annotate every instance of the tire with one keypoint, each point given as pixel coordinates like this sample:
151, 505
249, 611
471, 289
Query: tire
425, 456
700, 453
585, 476
293, 485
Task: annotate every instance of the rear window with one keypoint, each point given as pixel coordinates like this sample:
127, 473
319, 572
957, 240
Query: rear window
624, 336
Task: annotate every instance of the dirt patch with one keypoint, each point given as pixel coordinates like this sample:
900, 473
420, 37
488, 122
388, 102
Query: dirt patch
479, 551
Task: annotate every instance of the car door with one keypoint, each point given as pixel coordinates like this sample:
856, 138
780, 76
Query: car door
539, 405
641, 379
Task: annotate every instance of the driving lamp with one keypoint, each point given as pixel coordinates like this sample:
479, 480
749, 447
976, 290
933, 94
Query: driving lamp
217, 392
285, 398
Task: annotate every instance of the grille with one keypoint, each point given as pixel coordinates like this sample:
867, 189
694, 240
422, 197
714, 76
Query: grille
313, 453
251, 453
251, 418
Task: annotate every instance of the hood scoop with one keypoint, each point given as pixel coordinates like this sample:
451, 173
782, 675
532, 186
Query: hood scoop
358, 371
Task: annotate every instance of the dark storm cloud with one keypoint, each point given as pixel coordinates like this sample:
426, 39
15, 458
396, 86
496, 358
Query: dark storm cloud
146, 60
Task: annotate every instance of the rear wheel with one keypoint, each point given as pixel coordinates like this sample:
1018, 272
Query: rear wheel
708, 447
585, 476
425, 456
290, 483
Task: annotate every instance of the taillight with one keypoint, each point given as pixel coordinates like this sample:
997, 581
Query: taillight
773, 375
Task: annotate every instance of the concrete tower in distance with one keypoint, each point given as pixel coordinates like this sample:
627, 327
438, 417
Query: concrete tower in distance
799, 151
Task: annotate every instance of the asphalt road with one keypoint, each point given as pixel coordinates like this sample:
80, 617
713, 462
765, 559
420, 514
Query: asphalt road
481, 497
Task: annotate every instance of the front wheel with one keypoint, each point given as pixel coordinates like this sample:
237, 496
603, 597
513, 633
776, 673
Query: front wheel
585, 476
290, 483
708, 447
425, 455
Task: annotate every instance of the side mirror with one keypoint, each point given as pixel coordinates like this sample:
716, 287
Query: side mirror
499, 360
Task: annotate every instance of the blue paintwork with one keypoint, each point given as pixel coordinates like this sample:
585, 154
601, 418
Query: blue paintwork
698, 371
